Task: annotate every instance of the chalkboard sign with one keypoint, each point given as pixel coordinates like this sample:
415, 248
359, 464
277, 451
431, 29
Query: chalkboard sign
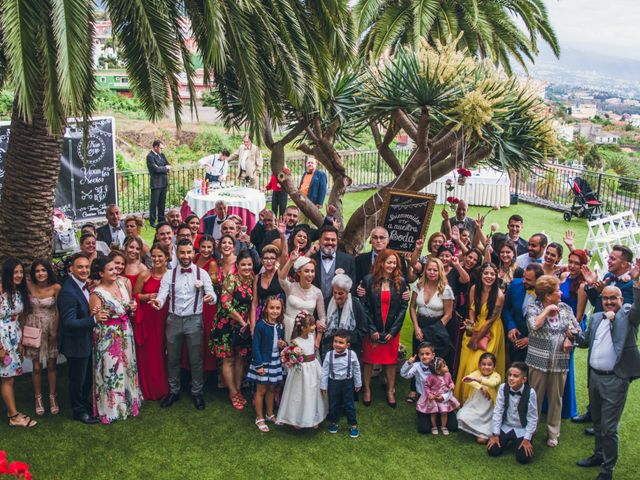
85, 188
406, 216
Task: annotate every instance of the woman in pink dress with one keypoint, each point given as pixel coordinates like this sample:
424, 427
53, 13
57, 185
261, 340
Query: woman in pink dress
149, 328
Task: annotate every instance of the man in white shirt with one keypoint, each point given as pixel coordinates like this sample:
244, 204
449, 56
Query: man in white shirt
515, 415
186, 288
614, 361
537, 246
216, 166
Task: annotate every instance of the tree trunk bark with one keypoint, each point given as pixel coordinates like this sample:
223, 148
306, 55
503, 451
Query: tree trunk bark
27, 200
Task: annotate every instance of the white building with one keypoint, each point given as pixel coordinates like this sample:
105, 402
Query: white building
584, 111
564, 131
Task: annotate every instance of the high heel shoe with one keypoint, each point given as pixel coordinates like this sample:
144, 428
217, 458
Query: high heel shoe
55, 409
366, 403
389, 402
39, 406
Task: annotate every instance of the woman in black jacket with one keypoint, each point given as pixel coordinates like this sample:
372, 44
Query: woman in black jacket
385, 310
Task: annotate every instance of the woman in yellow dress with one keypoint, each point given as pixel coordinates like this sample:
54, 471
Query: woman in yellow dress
485, 332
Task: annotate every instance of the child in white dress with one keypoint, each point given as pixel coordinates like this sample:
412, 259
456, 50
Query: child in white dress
476, 414
302, 405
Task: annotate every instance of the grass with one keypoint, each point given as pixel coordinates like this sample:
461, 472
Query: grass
222, 443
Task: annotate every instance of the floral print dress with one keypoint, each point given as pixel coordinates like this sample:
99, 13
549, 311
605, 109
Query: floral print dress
227, 339
117, 393
10, 336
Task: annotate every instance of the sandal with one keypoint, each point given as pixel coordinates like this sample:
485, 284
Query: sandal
241, 398
235, 402
55, 409
39, 406
262, 425
25, 421
411, 398
271, 418
445, 431
434, 431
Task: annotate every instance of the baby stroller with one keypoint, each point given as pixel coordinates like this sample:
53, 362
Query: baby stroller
585, 201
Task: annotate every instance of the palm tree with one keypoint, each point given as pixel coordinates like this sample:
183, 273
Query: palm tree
266, 50
488, 28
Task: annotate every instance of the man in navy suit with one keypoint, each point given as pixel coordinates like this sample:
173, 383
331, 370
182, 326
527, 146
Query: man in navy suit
614, 361
158, 167
113, 231
313, 185
517, 299
379, 241
331, 262
618, 266
75, 336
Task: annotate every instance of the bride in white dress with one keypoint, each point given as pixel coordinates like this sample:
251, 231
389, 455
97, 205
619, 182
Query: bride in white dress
302, 404
302, 295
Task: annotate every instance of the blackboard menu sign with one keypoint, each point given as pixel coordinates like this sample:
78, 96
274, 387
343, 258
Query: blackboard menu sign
85, 188
406, 216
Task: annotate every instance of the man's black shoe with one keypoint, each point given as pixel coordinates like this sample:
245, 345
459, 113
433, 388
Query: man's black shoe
198, 402
86, 419
592, 461
169, 400
584, 418
589, 431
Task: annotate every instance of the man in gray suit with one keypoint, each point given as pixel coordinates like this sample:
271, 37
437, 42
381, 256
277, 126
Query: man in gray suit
614, 361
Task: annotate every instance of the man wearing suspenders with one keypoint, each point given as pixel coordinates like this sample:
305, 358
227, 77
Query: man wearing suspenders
186, 287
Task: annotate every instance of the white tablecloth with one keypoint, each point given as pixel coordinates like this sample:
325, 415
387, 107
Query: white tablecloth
248, 198
485, 187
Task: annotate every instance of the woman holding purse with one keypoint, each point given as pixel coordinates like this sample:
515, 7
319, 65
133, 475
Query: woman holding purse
484, 330
40, 334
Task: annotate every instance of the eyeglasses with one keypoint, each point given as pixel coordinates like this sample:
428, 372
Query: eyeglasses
610, 299
378, 238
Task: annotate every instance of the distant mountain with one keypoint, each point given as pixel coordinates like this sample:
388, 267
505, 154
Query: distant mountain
577, 66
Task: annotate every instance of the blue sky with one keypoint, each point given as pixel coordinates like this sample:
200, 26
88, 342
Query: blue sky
611, 27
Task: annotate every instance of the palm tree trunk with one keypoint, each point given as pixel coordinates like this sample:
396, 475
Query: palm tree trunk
31, 175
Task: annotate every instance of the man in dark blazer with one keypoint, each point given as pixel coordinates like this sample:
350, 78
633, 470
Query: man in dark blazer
313, 183
379, 241
75, 336
330, 262
158, 167
113, 231
517, 298
614, 361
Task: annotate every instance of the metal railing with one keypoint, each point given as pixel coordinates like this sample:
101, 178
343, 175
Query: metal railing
365, 167
551, 187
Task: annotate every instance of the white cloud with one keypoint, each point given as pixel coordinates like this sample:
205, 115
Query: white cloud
609, 27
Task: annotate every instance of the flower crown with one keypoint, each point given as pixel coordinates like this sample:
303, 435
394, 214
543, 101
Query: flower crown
299, 318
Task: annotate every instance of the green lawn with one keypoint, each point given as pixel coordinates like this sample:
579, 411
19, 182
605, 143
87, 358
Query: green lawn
222, 443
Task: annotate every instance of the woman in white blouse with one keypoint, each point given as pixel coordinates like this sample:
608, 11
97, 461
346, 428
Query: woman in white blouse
431, 309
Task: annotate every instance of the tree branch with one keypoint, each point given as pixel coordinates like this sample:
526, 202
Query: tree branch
406, 122
296, 130
422, 135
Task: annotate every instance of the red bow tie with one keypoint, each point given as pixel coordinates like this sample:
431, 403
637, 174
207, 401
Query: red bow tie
185, 270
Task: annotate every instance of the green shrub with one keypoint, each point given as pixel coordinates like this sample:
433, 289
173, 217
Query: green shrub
6, 103
207, 143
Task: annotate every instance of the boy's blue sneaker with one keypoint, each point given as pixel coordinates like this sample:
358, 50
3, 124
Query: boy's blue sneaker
333, 428
354, 432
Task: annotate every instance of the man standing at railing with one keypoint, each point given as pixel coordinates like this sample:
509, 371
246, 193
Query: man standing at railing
158, 179
313, 185
249, 163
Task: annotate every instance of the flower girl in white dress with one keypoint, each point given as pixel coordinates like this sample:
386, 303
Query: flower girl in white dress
302, 405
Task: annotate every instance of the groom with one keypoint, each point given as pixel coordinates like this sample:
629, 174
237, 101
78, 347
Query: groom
75, 336
187, 286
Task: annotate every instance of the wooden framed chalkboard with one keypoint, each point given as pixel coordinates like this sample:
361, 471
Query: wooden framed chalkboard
85, 187
406, 216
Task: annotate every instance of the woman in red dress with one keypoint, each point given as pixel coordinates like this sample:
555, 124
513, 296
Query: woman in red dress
385, 309
149, 328
194, 225
204, 259
133, 253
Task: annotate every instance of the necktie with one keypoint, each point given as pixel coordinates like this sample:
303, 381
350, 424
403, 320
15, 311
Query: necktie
613, 279
185, 270
219, 222
518, 394
116, 229
338, 355
327, 257
85, 287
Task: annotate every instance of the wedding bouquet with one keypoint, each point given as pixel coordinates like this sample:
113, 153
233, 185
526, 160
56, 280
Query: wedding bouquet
292, 356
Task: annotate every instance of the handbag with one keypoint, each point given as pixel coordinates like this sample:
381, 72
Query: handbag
483, 343
31, 337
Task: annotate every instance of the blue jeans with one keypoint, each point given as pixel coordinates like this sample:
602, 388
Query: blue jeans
341, 396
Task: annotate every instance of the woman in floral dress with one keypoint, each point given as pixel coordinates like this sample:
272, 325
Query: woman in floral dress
12, 303
231, 336
117, 393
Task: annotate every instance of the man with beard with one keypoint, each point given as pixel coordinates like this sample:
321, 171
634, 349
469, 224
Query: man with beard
537, 246
331, 262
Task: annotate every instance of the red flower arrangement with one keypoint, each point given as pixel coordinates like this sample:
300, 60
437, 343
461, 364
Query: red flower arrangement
453, 200
463, 172
13, 469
